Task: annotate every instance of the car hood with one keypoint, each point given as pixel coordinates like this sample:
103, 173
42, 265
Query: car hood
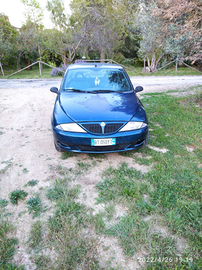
82, 107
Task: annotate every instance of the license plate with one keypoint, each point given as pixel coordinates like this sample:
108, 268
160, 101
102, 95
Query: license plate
103, 142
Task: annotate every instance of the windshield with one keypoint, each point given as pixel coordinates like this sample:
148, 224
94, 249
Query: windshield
96, 79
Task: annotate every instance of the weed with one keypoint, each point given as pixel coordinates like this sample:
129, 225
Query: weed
98, 156
34, 206
83, 166
65, 229
61, 170
2, 171
17, 195
109, 211
131, 231
98, 222
72, 247
32, 183
164, 255
35, 235
66, 155
3, 203
119, 184
61, 190
142, 207
43, 262
11, 266
7, 245
198, 96
25, 170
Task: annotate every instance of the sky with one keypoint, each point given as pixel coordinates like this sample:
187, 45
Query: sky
14, 9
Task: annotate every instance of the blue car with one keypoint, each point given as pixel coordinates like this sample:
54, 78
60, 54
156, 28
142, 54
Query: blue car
97, 111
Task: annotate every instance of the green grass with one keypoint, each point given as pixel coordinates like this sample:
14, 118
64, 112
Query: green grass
73, 248
66, 155
34, 73
175, 178
119, 184
29, 74
171, 190
160, 207
35, 235
43, 262
132, 233
7, 245
182, 71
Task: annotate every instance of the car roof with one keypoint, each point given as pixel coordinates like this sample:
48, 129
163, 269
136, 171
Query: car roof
94, 64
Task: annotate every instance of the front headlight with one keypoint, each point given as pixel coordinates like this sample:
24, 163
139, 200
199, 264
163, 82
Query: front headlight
70, 127
133, 126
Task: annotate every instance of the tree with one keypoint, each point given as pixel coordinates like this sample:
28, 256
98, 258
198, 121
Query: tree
67, 45
159, 38
8, 36
95, 22
25, 43
152, 44
187, 15
34, 14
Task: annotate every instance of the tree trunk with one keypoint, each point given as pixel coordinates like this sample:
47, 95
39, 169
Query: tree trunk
148, 63
64, 58
153, 62
102, 55
39, 50
18, 61
2, 69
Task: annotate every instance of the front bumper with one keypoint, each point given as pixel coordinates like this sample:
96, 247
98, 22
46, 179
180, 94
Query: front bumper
81, 142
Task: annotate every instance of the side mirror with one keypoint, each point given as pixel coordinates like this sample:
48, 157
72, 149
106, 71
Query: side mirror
54, 90
138, 89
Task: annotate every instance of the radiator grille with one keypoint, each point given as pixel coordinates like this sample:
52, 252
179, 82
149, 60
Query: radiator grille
93, 128
107, 129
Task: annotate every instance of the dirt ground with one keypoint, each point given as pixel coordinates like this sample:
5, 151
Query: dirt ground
27, 153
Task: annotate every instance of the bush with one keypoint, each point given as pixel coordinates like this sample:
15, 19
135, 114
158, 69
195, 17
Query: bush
59, 71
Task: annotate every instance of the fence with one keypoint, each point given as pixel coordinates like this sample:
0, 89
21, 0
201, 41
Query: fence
103, 60
38, 62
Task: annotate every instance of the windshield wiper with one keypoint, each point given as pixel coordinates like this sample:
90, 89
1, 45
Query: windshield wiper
76, 90
88, 91
103, 91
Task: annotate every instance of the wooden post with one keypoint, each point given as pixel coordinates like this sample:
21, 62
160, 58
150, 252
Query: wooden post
2, 69
176, 64
40, 68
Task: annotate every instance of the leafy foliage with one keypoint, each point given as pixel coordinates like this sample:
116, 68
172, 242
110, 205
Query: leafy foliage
189, 18
34, 206
3, 203
17, 195
59, 71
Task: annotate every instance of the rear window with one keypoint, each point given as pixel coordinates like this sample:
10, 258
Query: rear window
91, 79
